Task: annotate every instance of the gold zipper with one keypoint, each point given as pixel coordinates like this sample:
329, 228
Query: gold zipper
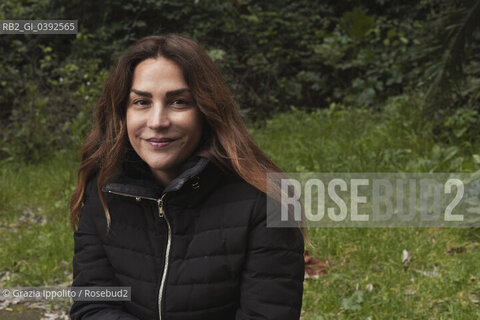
161, 213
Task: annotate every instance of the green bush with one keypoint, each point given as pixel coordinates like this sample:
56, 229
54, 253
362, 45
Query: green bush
346, 139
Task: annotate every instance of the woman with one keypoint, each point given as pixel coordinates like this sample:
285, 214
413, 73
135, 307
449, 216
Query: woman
171, 198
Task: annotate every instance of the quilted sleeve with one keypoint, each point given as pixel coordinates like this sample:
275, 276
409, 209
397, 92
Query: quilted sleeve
272, 277
91, 267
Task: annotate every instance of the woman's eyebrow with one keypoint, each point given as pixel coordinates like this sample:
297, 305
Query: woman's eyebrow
141, 93
167, 94
176, 92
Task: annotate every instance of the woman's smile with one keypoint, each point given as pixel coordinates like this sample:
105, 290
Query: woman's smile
160, 143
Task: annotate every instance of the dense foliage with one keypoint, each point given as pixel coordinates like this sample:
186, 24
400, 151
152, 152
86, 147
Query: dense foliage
275, 54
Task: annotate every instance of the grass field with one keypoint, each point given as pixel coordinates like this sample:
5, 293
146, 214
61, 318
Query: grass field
37, 242
365, 276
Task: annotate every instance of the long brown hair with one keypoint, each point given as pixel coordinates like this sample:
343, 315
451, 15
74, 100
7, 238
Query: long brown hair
228, 144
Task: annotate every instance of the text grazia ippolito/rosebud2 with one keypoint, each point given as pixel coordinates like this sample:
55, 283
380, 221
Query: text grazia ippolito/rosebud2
19, 294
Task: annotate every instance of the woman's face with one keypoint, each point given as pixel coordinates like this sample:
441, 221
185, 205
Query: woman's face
164, 125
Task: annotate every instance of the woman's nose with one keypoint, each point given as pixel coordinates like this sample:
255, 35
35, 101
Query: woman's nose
158, 117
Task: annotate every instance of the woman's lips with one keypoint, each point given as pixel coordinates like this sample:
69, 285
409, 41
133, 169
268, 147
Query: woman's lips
159, 143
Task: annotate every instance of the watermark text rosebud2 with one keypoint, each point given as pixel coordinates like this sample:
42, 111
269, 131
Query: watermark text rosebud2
373, 199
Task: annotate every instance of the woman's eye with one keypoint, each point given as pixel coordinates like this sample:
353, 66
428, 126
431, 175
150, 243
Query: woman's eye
179, 101
140, 102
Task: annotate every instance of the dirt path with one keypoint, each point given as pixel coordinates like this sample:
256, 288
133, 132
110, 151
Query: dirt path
32, 311
20, 312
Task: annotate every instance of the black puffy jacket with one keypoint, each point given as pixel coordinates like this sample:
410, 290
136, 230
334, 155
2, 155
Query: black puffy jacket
198, 249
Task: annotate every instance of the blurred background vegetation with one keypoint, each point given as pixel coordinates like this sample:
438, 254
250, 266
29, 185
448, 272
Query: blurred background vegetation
275, 55
325, 86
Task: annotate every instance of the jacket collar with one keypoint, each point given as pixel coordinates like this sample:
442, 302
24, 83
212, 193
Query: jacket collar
136, 180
